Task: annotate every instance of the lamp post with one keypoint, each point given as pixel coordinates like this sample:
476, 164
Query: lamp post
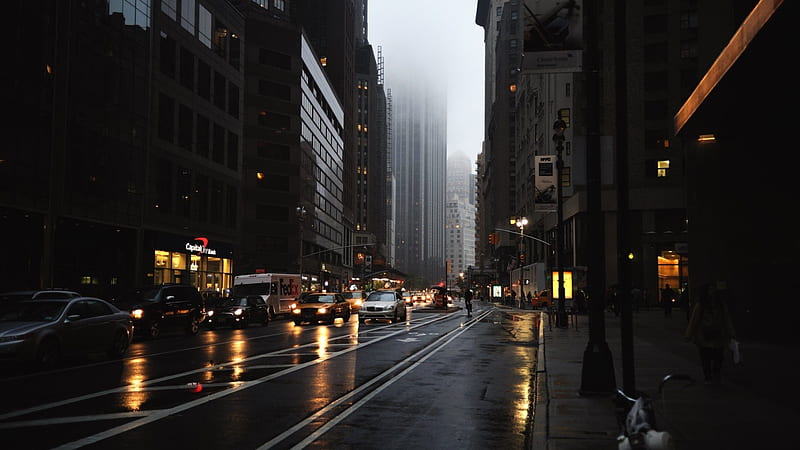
520, 222
301, 212
558, 138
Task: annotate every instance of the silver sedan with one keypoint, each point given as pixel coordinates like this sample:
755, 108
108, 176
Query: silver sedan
383, 304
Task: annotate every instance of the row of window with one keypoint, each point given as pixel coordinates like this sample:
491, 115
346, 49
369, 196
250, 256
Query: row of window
196, 133
194, 196
205, 82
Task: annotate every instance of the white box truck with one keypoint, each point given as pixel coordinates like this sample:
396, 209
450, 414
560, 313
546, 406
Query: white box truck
279, 290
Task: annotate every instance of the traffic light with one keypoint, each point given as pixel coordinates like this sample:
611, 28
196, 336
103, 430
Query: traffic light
522, 257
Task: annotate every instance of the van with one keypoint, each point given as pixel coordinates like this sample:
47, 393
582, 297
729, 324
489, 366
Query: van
279, 290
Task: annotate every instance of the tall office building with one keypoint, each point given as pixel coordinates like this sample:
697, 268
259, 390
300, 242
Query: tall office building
419, 137
460, 222
121, 166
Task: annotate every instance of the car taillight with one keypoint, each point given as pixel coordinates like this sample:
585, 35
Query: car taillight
137, 313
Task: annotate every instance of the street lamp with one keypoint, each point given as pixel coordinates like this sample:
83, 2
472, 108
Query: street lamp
520, 222
301, 213
558, 138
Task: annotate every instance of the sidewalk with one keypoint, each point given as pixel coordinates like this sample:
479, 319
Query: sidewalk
756, 406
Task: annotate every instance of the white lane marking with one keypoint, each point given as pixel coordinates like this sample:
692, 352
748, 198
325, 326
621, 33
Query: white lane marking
281, 437
161, 414
278, 353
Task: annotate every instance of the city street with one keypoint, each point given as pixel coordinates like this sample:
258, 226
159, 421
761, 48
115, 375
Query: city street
438, 380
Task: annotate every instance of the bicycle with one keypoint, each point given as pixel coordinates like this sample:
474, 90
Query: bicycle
637, 418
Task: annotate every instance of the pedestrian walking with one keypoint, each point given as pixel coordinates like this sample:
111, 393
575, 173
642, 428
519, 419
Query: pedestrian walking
668, 296
685, 301
468, 302
711, 330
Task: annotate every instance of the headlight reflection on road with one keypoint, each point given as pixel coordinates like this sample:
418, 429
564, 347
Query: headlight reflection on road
135, 373
323, 334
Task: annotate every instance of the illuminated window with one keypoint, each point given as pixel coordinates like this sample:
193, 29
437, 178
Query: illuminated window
323, 61
280, 4
662, 168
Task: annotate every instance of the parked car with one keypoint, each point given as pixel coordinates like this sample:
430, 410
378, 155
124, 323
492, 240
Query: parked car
355, 298
320, 306
163, 308
383, 304
238, 312
7, 299
45, 331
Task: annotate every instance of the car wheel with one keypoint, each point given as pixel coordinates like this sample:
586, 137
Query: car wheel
119, 345
265, 322
154, 331
49, 354
361, 320
298, 322
194, 326
346, 317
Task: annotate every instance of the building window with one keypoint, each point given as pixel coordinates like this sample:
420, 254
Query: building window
688, 49
280, 4
187, 15
170, 8
662, 168
204, 26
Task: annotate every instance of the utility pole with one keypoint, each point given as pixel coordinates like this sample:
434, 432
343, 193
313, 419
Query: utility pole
597, 373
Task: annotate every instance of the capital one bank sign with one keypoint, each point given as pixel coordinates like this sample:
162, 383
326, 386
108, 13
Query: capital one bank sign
200, 245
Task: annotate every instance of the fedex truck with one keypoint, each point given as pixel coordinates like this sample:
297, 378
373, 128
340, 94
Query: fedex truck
279, 290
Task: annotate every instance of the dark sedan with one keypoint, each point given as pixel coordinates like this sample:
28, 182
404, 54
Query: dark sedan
46, 331
238, 312
320, 306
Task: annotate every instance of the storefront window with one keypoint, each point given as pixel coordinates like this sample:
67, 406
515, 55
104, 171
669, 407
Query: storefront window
179, 260
162, 259
668, 269
206, 273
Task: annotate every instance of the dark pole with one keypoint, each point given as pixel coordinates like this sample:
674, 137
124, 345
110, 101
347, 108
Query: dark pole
597, 373
561, 313
623, 264
301, 217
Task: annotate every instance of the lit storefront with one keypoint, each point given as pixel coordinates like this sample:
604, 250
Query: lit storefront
195, 260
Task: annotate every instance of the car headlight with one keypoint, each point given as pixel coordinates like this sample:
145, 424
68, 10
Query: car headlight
296, 311
15, 337
210, 313
358, 302
137, 313
322, 311
388, 308
237, 312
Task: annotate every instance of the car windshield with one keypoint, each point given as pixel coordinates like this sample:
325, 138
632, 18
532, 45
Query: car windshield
33, 312
381, 297
318, 299
352, 294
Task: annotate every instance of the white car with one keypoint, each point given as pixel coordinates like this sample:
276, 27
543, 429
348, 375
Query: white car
383, 304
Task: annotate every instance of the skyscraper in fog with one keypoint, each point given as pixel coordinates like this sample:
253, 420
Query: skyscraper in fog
419, 138
460, 222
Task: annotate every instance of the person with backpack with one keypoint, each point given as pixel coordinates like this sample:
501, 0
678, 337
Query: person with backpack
711, 330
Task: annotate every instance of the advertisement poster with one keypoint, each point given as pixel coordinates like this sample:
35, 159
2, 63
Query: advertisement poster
545, 190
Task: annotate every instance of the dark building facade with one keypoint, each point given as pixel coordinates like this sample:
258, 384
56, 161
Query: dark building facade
740, 189
123, 168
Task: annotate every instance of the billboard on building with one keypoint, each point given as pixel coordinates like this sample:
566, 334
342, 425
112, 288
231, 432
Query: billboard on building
545, 190
553, 36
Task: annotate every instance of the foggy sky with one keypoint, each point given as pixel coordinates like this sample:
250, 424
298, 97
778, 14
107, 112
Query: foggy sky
440, 42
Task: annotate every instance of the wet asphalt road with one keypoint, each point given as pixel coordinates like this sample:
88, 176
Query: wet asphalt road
438, 381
